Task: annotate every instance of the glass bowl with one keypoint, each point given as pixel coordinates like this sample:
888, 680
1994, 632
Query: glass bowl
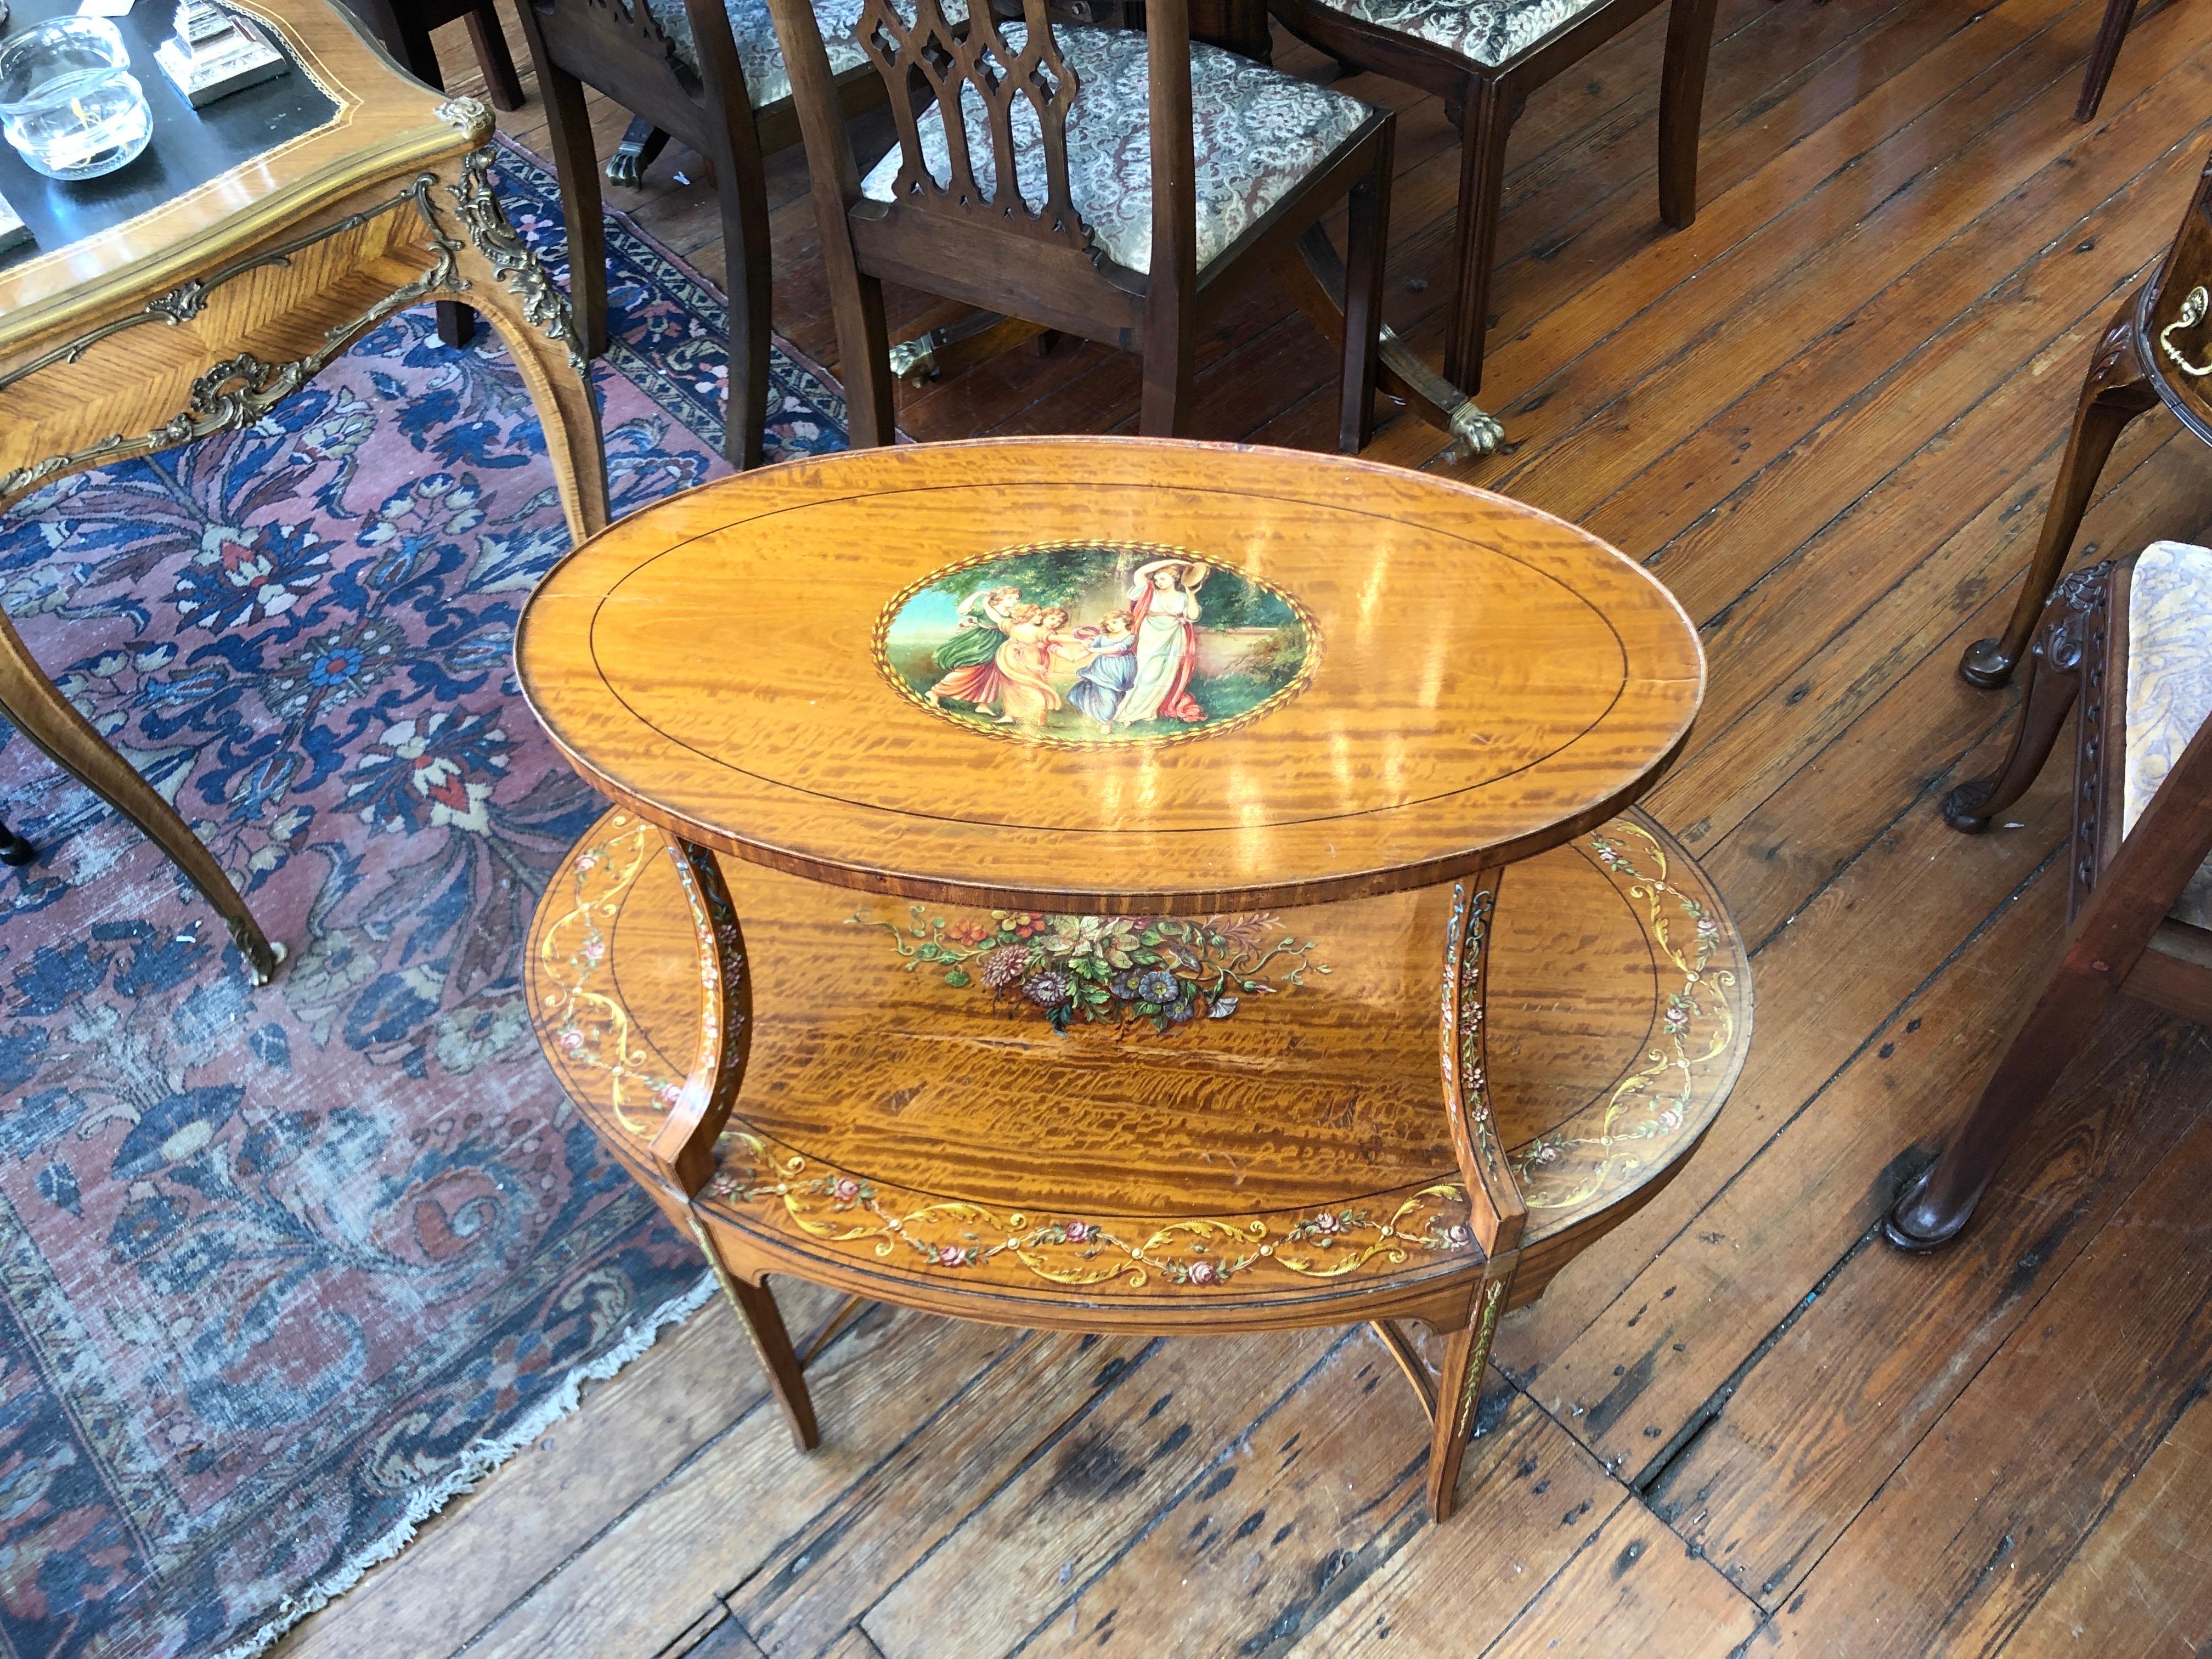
68, 102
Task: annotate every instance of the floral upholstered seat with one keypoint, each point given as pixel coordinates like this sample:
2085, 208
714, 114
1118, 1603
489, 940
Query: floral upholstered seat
767, 81
2169, 685
1257, 132
1488, 31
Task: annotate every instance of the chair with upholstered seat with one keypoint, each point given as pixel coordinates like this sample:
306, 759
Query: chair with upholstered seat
2131, 642
1107, 184
714, 77
1483, 58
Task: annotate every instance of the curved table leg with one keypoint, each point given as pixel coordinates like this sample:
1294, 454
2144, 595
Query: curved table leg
14, 850
42, 714
511, 290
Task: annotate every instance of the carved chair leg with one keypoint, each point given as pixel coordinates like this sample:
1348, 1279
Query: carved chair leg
42, 714
457, 323
1487, 123
1933, 1210
763, 1323
14, 850
2074, 615
640, 146
743, 192
569, 130
2118, 14
1681, 108
2118, 388
524, 306
1367, 235
1459, 1388
501, 81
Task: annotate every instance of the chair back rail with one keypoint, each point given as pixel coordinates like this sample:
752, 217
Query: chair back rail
619, 48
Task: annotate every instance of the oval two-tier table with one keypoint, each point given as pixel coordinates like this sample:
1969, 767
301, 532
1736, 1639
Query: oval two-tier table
1113, 884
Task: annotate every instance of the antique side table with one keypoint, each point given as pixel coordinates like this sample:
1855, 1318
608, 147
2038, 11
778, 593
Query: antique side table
195, 289
1110, 883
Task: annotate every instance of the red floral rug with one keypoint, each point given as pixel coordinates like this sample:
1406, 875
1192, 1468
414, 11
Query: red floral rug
280, 1270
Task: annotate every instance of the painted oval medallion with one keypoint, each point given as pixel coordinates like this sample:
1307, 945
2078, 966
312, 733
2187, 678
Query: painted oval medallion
1079, 643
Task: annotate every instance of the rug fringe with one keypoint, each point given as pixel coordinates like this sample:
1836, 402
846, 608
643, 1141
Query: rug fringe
480, 1460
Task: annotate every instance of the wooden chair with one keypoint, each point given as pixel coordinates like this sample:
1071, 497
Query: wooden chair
2130, 640
2157, 351
403, 28
1483, 58
715, 79
1107, 184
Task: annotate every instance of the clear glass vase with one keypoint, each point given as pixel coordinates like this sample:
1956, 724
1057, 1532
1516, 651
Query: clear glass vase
68, 102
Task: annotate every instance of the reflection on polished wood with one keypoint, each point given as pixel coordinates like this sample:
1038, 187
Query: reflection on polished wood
201, 315
1488, 680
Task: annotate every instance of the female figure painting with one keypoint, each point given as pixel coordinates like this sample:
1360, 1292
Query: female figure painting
1166, 618
1106, 678
1091, 643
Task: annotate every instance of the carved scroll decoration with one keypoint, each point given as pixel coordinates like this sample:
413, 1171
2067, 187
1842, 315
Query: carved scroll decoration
188, 299
543, 305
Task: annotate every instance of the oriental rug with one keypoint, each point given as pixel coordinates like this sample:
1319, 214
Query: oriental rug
282, 1270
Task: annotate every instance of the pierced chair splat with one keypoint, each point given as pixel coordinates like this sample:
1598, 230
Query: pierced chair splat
1115, 186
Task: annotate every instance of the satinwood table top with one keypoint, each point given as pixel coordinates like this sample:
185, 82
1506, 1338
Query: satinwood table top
1100, 674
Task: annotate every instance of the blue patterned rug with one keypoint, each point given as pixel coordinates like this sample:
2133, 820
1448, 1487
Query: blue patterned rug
280, 1270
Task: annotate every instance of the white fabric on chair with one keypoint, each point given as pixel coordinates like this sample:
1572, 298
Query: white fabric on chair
766, 80
1488, 31
2169, 685
1257, 132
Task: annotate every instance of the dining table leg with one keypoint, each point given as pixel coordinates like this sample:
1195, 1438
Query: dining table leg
1315, 276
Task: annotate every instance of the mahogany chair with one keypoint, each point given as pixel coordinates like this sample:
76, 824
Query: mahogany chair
2131, 640
715, 78
1116, 186
2157, 351
403, 28
1483, 58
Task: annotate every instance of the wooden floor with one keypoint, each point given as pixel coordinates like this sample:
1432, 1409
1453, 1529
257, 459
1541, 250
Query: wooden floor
1827, 416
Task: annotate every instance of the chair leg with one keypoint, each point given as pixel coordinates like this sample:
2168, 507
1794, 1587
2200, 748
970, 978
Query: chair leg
764, 1326
1934, 1209
14, 850
746, 257
493, 57
1459, 1389
1367, 236
568, 126
641, 144
2053, 681
1681, 108
1484, 127
2118, 390
2118, 14
457, 323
